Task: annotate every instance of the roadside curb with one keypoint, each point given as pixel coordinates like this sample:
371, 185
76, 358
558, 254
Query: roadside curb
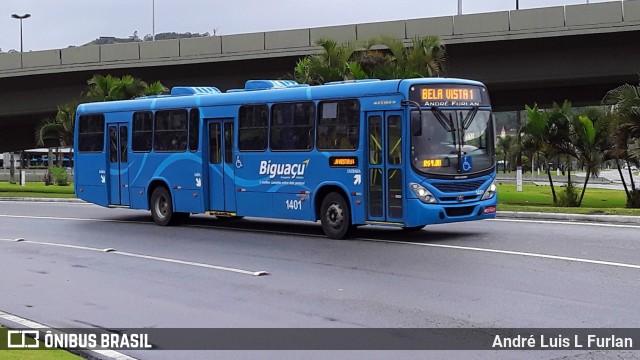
52, 200
609, 219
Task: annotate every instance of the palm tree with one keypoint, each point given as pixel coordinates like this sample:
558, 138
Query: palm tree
109, 88
548, 133
58, 129
380, 58
424, 57
624, 102
505, 144
101, 88
332, 64
588, 136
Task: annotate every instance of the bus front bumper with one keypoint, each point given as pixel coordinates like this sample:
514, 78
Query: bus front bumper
419, 213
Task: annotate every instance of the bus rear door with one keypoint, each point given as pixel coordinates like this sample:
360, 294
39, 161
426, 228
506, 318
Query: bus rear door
118, 164
384, 195
222, 195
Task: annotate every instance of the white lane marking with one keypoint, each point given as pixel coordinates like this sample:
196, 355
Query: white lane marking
560, 222
63, 245
508, 252
27, 201
72, 219
182, 262
148, 257
34, 325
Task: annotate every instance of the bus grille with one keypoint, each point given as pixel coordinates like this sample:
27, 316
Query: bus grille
459, 211
458, 187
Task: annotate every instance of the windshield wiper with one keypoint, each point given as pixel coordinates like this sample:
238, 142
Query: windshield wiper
447, 124
466, 122
469, 118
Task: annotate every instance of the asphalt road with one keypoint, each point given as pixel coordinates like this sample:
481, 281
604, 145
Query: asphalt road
500, 273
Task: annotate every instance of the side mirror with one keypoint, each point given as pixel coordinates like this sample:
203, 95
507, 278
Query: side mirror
416, 123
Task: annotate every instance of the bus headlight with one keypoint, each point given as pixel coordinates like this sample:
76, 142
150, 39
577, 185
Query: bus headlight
423, 194
490, 192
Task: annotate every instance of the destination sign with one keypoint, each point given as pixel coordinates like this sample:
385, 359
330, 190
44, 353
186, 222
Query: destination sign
343, 161
449, 95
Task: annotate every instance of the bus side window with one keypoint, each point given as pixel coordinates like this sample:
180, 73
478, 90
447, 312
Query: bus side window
252, 129
340, 121
91, 133
194, 129
142, 131
292, 126
170, 130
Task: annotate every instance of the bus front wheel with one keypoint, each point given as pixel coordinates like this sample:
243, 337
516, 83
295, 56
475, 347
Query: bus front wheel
335, 216
162, 206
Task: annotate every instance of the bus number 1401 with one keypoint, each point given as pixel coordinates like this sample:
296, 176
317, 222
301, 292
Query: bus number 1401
294, 204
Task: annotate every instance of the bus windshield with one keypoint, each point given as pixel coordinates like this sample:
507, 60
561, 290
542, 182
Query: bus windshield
453, 142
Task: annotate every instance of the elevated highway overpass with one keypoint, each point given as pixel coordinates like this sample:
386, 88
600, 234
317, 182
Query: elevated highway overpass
575, 52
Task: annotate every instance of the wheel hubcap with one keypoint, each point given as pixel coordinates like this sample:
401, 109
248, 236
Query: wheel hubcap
161, 207
335, 216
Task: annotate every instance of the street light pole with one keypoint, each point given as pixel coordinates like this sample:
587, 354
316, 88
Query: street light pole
459, 7
21, 17
153, 20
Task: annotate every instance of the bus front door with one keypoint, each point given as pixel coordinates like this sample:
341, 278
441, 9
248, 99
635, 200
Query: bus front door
385, 178
118, 164
222, 195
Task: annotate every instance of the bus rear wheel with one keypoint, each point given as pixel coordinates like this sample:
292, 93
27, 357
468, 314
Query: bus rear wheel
162, 207
335, 216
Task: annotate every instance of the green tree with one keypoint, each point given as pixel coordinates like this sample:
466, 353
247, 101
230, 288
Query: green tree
57, 131
380, 57
101, 88
331, 64
109, 88
547, 132
624, 102
424, 57
505, 145
589, 139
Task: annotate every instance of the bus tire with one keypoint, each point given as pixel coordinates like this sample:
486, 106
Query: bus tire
335, 216
162, 207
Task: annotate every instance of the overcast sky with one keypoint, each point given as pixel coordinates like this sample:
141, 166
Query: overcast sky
56, 24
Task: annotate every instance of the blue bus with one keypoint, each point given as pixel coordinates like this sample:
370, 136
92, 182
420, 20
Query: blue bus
405, 153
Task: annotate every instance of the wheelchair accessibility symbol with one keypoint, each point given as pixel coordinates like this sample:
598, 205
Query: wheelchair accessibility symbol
466, 164
238, 162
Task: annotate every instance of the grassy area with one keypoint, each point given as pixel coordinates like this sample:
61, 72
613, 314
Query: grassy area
36, 189
570, 210
33, 354
539, 198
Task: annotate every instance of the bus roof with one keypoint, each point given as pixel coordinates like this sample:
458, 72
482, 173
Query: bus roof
265, 91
